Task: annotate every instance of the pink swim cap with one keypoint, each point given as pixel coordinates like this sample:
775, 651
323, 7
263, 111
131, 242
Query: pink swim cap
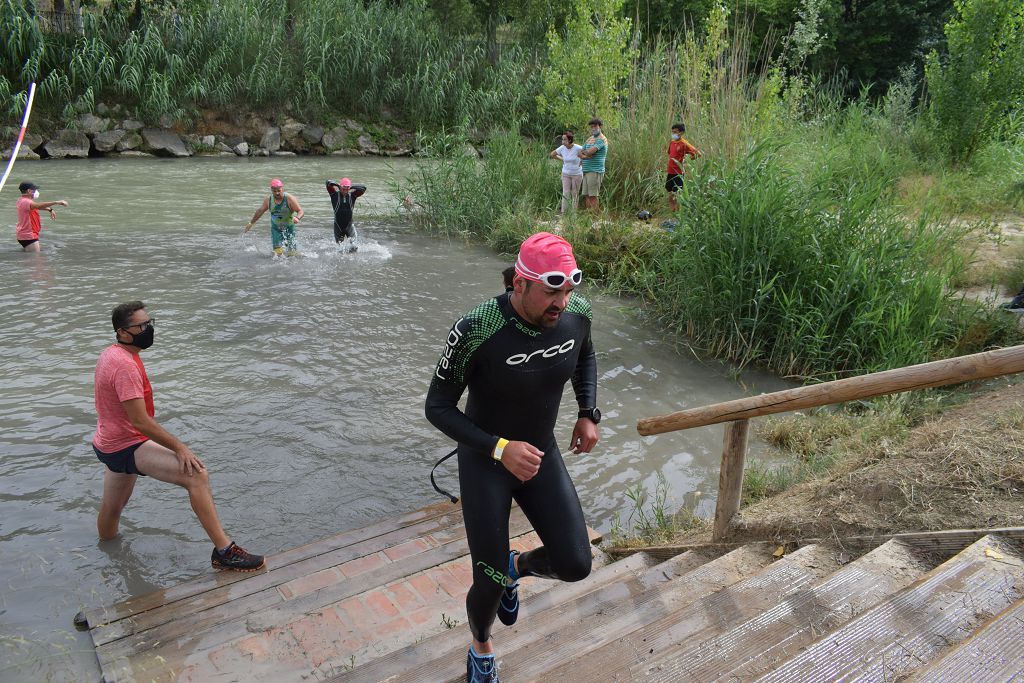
345, 182
276, 183
544, 257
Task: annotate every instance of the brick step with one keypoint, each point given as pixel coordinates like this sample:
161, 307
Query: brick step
904, 632
683, 579
455, 641
190, 633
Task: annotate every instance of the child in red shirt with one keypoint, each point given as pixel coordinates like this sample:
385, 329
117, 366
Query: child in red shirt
678, 150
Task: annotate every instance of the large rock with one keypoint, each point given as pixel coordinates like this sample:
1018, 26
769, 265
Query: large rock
164, 143
107, 140
271, 140
208, 141
223, 148
367, 145
33, 141
23, 153
134, 153
67, 143
335, 138
241, 149
131, 141
129, 124
313, 134
292, 138
90, 124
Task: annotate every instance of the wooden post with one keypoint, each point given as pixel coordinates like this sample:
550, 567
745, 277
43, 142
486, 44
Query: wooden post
730, 477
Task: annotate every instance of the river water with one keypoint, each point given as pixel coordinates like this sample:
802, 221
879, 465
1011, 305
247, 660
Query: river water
300, 381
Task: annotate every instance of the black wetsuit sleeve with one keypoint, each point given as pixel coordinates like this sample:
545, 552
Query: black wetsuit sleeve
358, 190
332, 187
446, 388
442, 410
584, 378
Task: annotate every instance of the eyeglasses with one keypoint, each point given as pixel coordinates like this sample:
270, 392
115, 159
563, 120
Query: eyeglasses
145, 325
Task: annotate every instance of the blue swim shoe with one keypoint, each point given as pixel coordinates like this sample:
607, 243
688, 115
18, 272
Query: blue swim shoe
508, 606
481, 668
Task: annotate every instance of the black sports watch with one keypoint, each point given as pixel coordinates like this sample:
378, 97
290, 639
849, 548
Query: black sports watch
592, 414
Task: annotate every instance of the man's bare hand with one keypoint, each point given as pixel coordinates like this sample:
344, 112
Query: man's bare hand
584, 436
522, 460
188, 462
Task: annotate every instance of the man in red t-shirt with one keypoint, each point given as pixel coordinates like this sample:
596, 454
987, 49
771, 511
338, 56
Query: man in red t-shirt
678, 150
29, 226
130, 442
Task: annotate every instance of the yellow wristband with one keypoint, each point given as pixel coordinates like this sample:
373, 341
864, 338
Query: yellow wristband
499, 449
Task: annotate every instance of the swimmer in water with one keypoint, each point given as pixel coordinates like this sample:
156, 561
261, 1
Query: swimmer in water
285, 213
343, 198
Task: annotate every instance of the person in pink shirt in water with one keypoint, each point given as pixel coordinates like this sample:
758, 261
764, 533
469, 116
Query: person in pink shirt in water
131, 443
29, 224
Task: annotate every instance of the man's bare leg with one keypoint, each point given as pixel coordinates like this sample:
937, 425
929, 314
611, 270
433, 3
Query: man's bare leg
117, 489
32, 247
160, 463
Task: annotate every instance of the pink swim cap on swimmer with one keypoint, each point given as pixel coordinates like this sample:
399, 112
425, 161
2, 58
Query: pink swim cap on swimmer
345, 182
545, 253
276, 183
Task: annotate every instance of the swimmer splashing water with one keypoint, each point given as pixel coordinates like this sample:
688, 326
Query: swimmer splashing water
285, 213
343, 199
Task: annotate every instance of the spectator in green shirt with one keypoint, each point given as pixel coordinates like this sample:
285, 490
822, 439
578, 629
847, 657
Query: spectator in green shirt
594, 153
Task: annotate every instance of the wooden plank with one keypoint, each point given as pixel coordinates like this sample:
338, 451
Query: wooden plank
172, 642
653, 594
250, 584
994, 654
904, 632
749, 646
926, 375
206, 582
608, 656
943, 543
730, 477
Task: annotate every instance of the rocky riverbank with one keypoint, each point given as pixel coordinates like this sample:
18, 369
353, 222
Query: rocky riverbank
109, 133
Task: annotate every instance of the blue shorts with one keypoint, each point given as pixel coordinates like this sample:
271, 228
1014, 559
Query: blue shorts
122, 461
283, 238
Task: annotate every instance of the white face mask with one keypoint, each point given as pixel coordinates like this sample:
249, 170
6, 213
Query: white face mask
675, 136
35, 194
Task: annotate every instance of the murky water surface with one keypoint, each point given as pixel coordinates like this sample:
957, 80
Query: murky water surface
299, 381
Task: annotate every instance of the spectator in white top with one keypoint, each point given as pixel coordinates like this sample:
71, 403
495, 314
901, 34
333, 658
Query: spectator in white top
572, 171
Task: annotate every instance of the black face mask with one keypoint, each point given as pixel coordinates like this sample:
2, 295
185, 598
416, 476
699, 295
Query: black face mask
143, 339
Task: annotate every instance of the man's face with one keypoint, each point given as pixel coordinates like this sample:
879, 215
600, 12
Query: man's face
136, 325
278, 192
542, 306
345, 188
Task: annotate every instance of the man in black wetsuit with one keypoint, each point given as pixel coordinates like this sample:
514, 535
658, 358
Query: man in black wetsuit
515, 353
343, 198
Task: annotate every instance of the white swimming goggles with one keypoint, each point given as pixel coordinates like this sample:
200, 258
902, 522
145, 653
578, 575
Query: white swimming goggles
555, 279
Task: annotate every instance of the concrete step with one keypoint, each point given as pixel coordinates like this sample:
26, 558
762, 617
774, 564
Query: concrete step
993, 654
685, 624
603, 614
779, 625
902, 633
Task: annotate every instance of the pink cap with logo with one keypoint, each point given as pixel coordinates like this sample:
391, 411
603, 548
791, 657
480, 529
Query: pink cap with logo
276, 182
345, 182
544, 257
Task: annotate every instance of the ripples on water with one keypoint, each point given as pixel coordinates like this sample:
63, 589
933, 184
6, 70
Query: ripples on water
300, 382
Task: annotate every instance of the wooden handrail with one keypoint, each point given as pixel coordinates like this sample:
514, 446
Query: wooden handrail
924, 376
737, 413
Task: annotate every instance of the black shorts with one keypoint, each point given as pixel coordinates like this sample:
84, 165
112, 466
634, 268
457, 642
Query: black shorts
674, 182
25, 243
122, 461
